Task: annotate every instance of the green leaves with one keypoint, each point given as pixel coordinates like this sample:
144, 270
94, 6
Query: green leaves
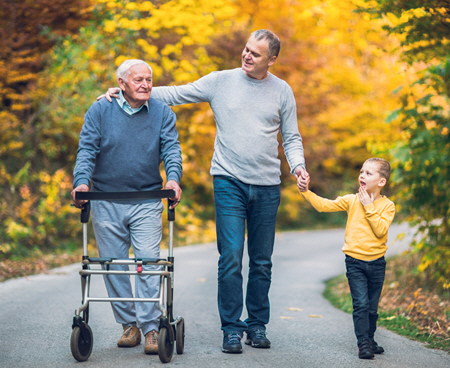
421, 160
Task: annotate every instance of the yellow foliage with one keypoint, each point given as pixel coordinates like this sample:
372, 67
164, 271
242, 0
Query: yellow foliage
169, 49
150, 50
332, 57
110, 26
191, 22
423, 266
120, 59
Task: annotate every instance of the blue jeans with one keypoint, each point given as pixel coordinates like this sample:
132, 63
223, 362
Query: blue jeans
366, 282
237, 203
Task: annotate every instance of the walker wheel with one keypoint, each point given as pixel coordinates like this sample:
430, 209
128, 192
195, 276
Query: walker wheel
81, 345
86, 315
165, 345
180, 336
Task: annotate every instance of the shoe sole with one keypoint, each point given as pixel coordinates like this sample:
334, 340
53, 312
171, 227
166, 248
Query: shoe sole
366, 356
128, 345
259, 346
232, 351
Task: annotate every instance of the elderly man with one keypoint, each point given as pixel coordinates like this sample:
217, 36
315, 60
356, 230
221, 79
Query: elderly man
250, 106
121, 147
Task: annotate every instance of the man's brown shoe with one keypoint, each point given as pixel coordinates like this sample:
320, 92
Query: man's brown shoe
131, 337
151, 342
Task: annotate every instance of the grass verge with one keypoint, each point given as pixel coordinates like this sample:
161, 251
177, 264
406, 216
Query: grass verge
407, 305
10, 269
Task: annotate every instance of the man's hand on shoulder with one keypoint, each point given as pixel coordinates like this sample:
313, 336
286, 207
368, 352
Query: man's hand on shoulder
112, 92
172, 184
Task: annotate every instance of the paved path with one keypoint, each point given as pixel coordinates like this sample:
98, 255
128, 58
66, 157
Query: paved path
36, 316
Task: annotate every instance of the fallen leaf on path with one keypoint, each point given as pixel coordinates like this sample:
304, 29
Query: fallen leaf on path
284, 317
315, 316
296, 309
202, 280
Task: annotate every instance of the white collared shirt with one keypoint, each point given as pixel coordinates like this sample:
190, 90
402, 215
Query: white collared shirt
125, 106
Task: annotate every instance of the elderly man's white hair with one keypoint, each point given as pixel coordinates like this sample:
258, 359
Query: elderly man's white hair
123, 71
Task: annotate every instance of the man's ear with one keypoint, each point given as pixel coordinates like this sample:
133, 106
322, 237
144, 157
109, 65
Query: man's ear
121, 84
272, 60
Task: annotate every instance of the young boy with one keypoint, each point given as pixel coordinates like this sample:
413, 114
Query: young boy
369, 216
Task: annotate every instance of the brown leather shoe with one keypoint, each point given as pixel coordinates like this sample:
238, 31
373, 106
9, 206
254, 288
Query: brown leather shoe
151, 342
131, 337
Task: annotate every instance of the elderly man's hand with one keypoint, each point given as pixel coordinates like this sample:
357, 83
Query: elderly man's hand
172, 184
112, 92
79, 203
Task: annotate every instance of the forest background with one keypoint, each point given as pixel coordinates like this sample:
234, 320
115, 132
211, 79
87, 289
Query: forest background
371, 78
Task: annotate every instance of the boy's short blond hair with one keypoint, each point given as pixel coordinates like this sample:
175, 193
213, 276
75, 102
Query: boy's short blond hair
384, 168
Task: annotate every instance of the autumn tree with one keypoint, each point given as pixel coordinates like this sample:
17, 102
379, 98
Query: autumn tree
330, 56
421, 159
36, 210
333, 59
28, 31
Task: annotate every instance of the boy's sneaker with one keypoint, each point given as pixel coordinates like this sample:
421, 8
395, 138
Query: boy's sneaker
376, 348
365, 349
232, 343
257, 338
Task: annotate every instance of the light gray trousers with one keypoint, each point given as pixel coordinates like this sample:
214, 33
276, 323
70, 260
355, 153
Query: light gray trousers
116, 227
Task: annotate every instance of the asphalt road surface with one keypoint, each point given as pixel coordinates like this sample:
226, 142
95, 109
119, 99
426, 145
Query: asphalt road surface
305, 329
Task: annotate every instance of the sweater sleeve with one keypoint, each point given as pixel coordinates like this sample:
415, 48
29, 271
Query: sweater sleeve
380, 218
292, 140
170, 147
327, 205
88, 147
201, 90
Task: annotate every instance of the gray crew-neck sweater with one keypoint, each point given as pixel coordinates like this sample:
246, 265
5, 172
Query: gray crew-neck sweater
122, 152
248, 114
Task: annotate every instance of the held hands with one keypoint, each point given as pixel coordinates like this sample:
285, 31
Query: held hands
172, 184
364, 197
303, 178
112, 92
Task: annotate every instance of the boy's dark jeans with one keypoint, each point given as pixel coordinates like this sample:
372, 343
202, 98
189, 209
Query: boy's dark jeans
366, 282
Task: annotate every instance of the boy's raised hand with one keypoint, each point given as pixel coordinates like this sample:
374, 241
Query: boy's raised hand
112, 92
364, 197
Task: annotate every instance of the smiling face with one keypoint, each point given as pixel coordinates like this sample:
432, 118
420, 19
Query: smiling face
138, 86
255, 58
370, 179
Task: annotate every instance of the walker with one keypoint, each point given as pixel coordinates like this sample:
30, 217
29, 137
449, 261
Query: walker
170, 329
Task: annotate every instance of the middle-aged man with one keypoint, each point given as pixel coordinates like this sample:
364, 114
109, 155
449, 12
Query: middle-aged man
250, 106
121, 147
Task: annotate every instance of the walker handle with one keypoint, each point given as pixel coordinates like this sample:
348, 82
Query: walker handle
170, 212
85, 211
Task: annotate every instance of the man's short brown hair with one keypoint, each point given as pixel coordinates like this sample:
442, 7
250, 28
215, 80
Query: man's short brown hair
272, 39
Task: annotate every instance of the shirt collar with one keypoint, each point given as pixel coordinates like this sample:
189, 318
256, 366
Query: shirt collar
124, 105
